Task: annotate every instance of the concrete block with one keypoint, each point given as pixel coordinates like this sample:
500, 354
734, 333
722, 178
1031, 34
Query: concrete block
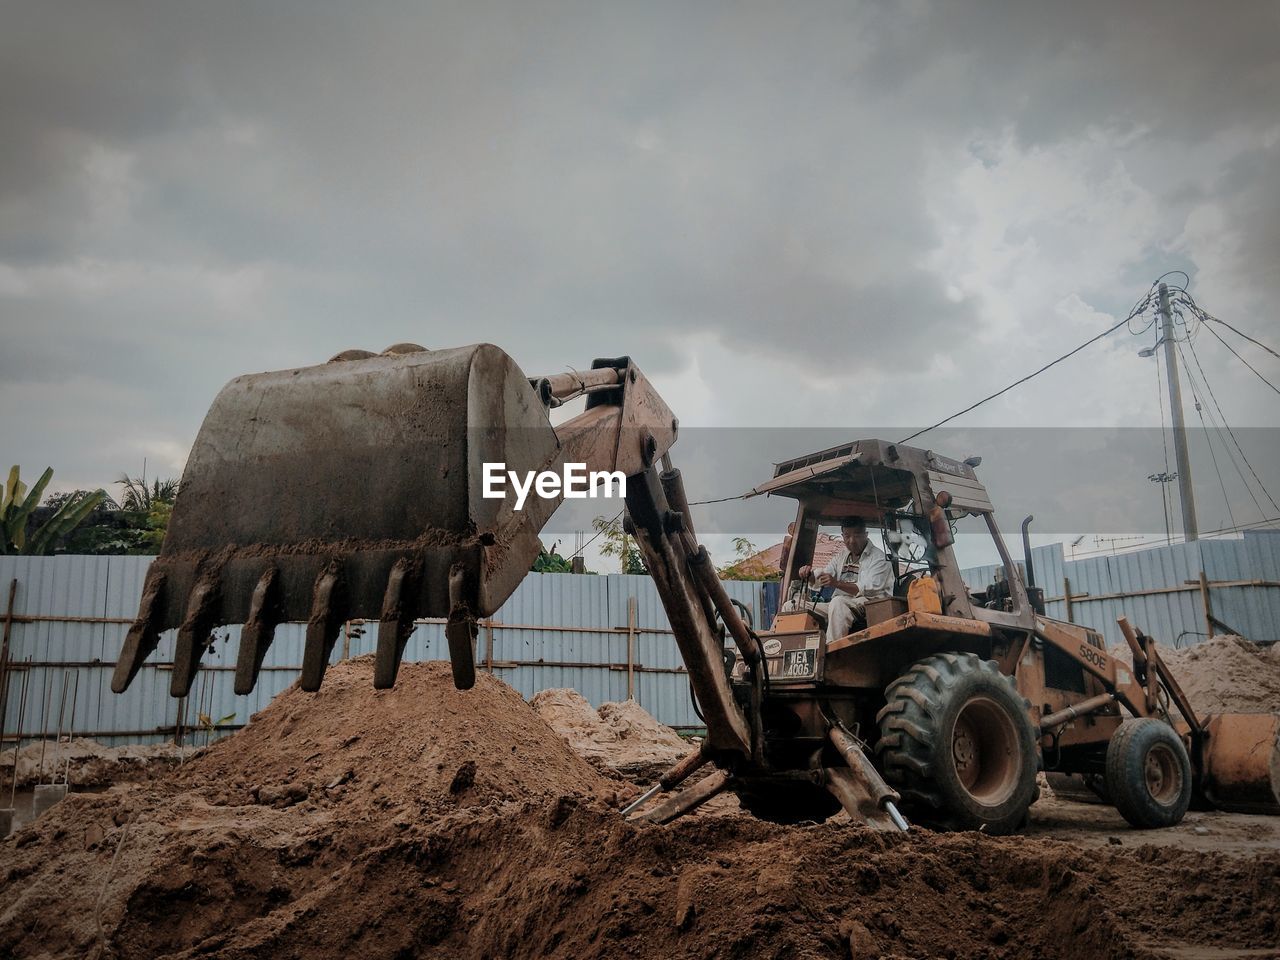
46, 795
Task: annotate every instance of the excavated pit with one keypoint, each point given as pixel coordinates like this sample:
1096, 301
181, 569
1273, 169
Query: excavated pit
429, 822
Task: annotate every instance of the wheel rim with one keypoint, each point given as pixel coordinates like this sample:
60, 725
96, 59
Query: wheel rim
1163, 774
984, 748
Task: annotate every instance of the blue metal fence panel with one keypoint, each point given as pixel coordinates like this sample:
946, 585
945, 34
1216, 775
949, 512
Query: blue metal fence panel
555, 630
1158, 588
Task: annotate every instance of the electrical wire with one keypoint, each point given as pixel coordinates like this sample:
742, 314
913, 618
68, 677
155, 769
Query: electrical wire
698, 503
1244, 361
1186, 277
1137, 310
602, 529
1213, 457
1231, 433
1206, 317
1252, 525
1239, 333
1220, 426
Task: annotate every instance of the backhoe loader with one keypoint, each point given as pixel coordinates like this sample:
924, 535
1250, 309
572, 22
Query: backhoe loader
942, 708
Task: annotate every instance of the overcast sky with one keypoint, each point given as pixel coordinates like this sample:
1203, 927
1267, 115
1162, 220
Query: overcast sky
831, 214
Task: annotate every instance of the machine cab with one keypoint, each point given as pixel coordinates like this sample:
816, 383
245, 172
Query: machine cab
912, 501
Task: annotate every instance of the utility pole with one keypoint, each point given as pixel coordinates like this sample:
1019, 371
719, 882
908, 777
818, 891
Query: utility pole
1189, 530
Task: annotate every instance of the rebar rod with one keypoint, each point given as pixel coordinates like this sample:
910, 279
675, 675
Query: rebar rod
71, 727
57, 740
44, 720
17, 747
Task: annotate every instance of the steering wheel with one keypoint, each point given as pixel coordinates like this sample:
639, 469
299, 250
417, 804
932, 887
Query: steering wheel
806, 597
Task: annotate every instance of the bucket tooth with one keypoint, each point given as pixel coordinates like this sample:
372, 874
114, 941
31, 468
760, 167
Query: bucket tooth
396, 623
193, 635
323, 626
144, 633
259, 630
460, 630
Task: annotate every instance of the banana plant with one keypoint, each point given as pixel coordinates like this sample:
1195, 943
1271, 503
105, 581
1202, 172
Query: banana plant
17, 505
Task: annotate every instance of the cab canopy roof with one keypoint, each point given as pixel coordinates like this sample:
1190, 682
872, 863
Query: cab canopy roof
867, 478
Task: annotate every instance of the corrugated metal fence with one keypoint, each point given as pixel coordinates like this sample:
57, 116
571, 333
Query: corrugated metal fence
1161, 590
606, 636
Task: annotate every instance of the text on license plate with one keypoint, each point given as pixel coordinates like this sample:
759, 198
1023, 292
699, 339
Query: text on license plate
798, 663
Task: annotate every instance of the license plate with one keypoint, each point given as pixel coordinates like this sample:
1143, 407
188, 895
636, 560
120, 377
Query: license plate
798, 663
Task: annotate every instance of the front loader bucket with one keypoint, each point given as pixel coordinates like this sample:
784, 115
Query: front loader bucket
1242, 762
348, 490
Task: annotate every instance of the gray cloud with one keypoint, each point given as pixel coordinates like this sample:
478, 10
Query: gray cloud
192, 192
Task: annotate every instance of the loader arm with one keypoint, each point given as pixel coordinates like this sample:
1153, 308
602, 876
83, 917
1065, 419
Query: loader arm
276, 522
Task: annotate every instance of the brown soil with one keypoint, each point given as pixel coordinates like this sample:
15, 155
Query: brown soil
424, 821
425, 746
619, 737
1228, 674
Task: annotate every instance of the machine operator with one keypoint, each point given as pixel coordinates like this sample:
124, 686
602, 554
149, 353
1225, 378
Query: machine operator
858, 573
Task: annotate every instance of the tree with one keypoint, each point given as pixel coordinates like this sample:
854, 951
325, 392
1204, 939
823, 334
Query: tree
138, 496
747, 564
617, 543
550, 561
18, 512
135, 526
139, 523
157, 524
107, 530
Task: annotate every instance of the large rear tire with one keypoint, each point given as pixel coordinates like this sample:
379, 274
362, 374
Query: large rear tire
1149, 773
956, 740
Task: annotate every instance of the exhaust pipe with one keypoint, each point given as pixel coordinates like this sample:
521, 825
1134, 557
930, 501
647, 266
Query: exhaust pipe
1035, 595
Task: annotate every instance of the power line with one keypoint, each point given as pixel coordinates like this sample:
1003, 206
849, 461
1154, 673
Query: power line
1220, 424
1231, 433
1205, 316
1213, 457
1142, 305
578, 552
1244, 361
1239, 527
698, 503
1246, 526
1239, 333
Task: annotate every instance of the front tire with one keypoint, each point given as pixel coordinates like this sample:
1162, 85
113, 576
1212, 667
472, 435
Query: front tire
1149, 773
957, 742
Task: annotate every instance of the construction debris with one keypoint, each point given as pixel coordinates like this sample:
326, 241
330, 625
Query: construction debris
87, 763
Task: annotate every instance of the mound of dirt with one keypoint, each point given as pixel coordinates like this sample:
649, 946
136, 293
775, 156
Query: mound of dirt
1228, 674
620, 737
424, 743
429, 822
